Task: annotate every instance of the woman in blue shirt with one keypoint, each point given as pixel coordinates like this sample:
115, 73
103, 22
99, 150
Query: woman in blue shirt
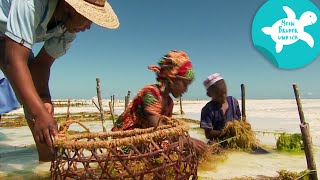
54, 22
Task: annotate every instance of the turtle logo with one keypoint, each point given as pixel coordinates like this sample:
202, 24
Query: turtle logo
289, 30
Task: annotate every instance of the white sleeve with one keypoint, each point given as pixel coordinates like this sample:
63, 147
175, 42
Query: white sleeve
22, 22
59, 44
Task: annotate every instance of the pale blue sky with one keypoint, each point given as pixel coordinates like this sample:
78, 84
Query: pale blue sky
215, 34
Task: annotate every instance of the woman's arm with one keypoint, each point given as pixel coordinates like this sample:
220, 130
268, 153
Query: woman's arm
17, 71
40, 72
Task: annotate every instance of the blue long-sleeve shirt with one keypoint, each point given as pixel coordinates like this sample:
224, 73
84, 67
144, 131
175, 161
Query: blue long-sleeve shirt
8, 100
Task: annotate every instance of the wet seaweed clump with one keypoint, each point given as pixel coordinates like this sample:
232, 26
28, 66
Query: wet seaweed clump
282, 175
239, 135
213, 150
18, 121
288, 175
290, 142
208, 161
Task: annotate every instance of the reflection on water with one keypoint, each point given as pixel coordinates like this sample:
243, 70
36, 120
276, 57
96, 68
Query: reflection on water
2, 136
17, 162
17, 158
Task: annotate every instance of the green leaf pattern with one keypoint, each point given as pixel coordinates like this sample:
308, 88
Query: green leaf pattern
149, 99
189, 74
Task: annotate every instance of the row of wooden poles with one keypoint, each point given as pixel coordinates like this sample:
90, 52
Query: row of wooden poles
111, 105
304, 127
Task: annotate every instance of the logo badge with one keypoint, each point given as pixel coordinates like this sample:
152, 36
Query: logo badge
287, 32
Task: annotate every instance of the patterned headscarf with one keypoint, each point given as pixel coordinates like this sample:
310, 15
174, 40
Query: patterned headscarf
175, 64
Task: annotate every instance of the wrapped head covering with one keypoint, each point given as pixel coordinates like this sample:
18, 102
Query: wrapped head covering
175, 64
210, 80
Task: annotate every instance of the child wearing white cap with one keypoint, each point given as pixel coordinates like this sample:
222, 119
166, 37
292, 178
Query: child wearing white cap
221, 109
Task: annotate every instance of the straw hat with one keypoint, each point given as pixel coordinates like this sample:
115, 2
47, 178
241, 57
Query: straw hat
98, 11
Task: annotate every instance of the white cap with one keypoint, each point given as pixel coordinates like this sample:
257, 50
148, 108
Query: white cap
210, 80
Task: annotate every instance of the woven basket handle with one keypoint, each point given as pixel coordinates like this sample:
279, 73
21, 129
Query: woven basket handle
65, 126
162, 118
166, 119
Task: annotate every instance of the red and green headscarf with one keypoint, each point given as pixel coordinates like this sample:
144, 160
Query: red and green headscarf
175, 64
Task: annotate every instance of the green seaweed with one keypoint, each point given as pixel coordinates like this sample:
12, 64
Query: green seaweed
290, 142
282, 175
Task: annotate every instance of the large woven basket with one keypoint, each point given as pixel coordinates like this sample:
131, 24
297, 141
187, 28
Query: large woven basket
164, 152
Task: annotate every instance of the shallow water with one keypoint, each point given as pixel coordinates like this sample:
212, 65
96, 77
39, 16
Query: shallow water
265, 116
18, 156
242, 164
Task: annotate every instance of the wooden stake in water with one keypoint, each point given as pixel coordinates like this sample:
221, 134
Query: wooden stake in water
127, 100
243, 102
112, 103
111, 112
307, 142
100, 105
181, 111
68, 110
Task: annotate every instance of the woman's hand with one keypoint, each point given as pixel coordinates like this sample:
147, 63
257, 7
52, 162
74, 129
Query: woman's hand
212, 134
45, 128
49, 107
48, 104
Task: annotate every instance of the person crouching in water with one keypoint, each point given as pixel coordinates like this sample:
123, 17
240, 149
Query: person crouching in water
220, 110
174, 75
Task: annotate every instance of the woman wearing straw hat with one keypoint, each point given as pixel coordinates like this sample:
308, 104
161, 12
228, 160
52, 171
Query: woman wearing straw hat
174, 75
56, 22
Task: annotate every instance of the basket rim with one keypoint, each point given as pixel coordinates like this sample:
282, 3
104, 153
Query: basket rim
120, 138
